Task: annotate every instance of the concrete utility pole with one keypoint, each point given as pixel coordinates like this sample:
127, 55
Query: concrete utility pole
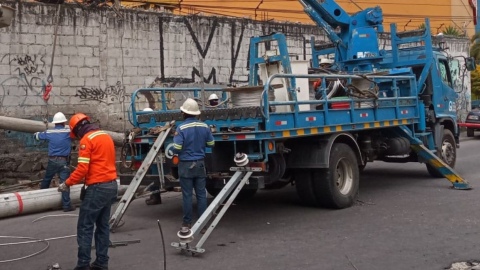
32, 126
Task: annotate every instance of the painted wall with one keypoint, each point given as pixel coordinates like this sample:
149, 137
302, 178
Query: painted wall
101, 59
462, 16
407, 14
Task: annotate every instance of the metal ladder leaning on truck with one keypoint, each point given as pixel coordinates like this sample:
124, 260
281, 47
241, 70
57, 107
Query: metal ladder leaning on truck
391, 105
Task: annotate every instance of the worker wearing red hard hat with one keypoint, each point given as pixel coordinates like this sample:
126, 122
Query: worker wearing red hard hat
96, 164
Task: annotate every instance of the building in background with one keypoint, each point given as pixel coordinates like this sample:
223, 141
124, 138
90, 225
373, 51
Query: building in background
408, 14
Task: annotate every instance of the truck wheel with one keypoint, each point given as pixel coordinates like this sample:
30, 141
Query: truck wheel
278, 174
304, 187
337, 186
213, 191
447, 152
470, 132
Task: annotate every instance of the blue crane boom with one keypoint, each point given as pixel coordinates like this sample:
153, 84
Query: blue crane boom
354, 37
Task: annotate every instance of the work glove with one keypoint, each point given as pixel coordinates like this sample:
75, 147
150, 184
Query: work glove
63, 187
35, 135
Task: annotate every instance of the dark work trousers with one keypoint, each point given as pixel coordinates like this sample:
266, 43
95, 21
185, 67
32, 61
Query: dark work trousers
95, 212
192, 176
59, 166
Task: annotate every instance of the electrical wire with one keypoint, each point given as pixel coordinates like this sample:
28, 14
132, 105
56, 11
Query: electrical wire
163, 245
28, 256
248, 98
184, 4
36, 240
62, 215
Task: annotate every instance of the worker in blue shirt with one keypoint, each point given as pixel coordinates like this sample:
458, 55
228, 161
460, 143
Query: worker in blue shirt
59, 147
190, 140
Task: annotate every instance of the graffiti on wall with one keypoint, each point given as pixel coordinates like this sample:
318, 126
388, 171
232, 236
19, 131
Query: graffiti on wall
205, 41
460, 85
25, 78
110, 94
211, 77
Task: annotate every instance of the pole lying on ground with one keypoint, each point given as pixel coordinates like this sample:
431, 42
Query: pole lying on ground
18, 203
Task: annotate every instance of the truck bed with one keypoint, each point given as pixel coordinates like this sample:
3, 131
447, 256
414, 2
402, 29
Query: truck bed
397, 104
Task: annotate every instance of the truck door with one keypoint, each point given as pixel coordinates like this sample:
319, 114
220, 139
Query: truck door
446, 103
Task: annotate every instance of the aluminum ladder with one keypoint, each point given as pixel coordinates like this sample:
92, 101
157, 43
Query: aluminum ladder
427, 156
235, 184
137, 180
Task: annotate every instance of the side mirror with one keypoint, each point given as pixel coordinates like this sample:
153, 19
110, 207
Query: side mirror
470, 63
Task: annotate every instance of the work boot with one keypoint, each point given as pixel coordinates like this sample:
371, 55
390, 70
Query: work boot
187, 225
153, 200
71, 208
96, 267
87, 267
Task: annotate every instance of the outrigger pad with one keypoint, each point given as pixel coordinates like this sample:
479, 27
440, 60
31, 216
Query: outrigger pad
213, 114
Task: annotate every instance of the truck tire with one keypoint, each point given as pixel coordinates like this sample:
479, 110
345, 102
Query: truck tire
470, 132
337, 186
304, 187
447, 152
279, 177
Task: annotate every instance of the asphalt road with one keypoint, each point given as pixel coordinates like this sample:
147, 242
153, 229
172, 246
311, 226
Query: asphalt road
404, 220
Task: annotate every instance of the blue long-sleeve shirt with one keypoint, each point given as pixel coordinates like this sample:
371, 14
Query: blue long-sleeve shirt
59, 141
191, 139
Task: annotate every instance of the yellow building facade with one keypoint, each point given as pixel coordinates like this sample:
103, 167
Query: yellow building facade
408, 14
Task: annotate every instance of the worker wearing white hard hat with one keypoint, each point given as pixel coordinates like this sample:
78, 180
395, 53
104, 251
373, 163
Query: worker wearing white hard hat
213, 100
190, 140
59, 147
148, 110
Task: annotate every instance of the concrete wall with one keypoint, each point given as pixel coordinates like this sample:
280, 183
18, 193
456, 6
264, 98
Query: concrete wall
102, 57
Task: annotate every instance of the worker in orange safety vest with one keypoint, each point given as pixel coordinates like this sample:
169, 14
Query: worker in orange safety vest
96, 164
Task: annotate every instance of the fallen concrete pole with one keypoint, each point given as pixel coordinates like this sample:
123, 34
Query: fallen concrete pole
32, 126
27, 202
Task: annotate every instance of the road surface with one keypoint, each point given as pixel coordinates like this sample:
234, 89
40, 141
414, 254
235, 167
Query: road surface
404, 219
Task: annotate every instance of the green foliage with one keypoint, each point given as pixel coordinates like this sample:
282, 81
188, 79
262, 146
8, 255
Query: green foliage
475, 79
452, 31
475, 49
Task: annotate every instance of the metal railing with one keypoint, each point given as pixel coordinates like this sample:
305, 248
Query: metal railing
265, 103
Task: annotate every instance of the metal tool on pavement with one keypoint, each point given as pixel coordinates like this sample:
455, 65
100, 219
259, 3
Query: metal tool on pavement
114, 244
137, 179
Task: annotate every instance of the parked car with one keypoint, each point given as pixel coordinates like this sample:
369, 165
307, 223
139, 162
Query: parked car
472, 123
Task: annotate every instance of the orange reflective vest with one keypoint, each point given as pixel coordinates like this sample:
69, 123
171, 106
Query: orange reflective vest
96, 159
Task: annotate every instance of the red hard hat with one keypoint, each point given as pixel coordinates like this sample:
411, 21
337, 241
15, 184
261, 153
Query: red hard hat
77, 118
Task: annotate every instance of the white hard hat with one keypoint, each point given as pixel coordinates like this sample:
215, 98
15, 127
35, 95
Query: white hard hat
213, 96
148, 110
59, 118
190, 106
326, 61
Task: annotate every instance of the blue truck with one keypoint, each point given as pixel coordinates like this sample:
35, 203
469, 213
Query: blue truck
370, 104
